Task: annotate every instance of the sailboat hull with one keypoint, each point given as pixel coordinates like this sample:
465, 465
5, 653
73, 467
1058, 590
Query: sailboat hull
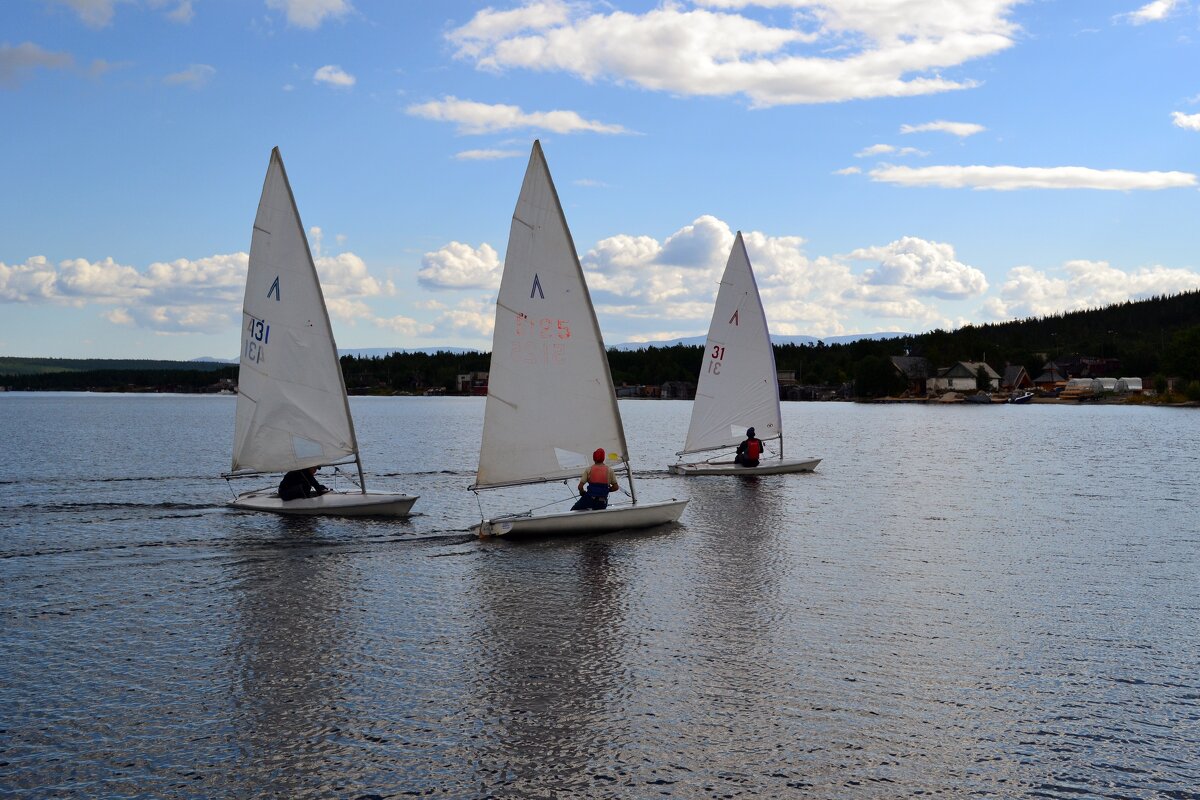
730, 468
330, 504
643, 515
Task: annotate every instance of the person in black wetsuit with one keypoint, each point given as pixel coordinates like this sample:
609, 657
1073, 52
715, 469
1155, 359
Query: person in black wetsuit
300, 483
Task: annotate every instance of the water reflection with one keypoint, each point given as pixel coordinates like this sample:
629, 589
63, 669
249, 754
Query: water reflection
290, 624
550, 621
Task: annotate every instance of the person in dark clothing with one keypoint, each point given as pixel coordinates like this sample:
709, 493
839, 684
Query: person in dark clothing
300, 483
749, 450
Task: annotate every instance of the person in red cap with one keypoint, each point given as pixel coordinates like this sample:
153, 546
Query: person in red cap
597, 481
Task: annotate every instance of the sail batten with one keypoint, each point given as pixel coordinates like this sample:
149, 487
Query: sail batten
737, 388
292, 410
550, 399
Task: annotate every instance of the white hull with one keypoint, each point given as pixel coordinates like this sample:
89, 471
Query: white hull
644, 515
729, 468
330, 504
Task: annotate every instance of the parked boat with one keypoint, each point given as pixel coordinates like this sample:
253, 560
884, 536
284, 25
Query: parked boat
292, 411
738, 386
980, 398
1024, 397
550, 399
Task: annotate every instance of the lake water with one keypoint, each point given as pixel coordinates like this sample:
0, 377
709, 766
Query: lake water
962, 601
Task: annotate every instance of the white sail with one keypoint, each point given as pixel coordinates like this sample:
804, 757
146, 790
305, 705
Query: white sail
291, 407
550, 399
738, 386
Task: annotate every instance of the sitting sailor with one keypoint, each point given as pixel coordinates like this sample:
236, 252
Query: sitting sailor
749, 450
597, 481
300, 483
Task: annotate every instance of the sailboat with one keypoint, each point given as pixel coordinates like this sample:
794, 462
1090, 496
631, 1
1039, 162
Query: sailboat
550, 399
292, 410
738, 387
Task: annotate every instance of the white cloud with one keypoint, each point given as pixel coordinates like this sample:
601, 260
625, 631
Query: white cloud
833, 51
460, 266
310, 13
405, 326
922, 267
848, 171
195, 76
176, 296
962, 129
1155, 11
1006, 178
487, 155
93, 13
477, 118
1088, 284
17, 62
881, 149
474, 318
183, 13
1190, 122
334, 75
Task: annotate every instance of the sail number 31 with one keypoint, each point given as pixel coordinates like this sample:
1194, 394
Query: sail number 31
714, 360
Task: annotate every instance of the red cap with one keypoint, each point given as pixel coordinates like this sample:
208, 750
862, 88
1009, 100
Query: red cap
598, 455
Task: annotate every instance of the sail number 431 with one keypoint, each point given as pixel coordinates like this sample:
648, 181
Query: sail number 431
257, 335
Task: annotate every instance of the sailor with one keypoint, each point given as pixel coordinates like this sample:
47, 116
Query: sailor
300, 483
749, 450
597, 481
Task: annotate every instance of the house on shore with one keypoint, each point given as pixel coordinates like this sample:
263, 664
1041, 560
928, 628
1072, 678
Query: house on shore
1016, 379
963, 377
916, 370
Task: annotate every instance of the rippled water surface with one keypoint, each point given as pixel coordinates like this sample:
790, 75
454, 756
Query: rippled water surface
962, 601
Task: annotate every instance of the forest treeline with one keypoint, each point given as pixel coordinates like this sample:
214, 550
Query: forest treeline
1157, 336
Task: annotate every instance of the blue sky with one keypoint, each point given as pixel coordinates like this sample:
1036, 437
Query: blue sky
894, 164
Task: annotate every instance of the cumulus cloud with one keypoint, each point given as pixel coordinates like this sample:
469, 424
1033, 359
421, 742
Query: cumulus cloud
848, 171
1155, 11
922, 267
334, 75
1087, 284
310, 13
405, 326
175, 296
1007, 178
474, 318
1189, 122
831, 51
460, 266
17, 62
194, 77
962, 129
476, 118
487, 155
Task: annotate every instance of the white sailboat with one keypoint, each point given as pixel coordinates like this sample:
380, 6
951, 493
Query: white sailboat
738, 387
550, 398
292, 410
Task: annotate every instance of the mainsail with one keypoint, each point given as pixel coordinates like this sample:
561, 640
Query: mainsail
550, 399
738, 386
291, 407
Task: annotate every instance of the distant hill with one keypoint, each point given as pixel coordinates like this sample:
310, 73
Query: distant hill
695, 341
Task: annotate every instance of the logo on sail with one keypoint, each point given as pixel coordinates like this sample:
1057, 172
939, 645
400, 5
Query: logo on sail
274, 290
537, 287
734, 319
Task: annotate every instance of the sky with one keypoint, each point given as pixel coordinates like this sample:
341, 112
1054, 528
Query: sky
894, 165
